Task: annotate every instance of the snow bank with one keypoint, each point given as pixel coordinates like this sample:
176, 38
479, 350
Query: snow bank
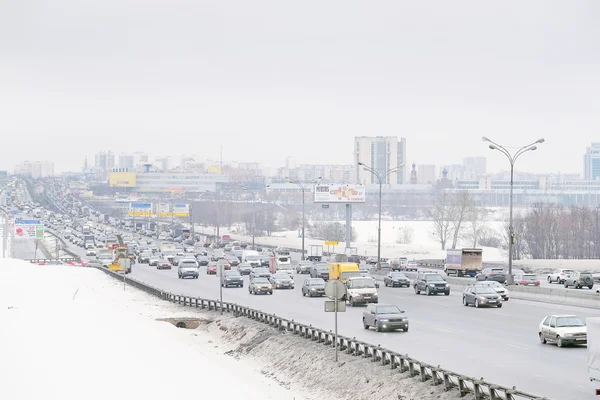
73, 333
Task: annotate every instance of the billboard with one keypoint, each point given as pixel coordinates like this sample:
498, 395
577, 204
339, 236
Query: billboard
122, 179
163, 210
29, 229
140, 209
339, 193
181, 210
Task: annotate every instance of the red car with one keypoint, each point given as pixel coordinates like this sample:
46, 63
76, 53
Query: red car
211, 269
527, 280
163, 264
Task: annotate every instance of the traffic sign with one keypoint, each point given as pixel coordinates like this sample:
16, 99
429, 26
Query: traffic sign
335, 289
331, 243
335, 306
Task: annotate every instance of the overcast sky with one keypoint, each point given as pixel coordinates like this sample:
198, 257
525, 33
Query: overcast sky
268, 79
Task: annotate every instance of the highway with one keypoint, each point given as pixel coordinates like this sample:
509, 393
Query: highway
24, 249
500, 345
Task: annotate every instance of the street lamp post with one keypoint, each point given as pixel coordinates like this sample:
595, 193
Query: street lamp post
380, 178
512, 158
303, 188
217, 198
254, 193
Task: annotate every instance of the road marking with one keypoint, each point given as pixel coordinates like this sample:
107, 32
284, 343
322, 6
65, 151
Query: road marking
517, 347
444, 330
502, 314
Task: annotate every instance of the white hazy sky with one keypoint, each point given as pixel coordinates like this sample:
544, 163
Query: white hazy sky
267, 79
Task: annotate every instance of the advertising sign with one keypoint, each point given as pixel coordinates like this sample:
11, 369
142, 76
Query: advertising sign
339, 193
163, 210
181, 210
122, 179
29, 229
140, 209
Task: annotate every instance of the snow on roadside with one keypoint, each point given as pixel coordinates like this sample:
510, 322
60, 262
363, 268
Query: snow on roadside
72, 333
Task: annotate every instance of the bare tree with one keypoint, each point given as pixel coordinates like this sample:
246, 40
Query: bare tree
442, 217
477, 220
461, 204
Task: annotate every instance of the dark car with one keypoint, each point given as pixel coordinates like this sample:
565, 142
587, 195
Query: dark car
245, 268
384, 317
580, 279
203, 260
232, 278
281, 280
313, 287
492, 274
431, 283
233, 261
481, 296
394, 279
264, 260
304, 267
320, 270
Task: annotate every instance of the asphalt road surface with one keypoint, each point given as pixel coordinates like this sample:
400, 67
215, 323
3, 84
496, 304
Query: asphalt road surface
24, 249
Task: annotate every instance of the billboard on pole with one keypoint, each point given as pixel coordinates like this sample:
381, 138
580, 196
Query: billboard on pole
140, 209
181, 210
339, 193
29, 228
163, 210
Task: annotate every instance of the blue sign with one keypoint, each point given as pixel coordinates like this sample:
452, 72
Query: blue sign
14, 212
27, 222
141, 205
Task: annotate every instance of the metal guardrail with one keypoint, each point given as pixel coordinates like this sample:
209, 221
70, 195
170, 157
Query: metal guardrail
44, 260
64, 247
438, 376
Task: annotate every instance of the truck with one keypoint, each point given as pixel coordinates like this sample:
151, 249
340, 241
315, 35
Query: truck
341, 269
593, 346
463, 262
168, 247
88, 242
315, 253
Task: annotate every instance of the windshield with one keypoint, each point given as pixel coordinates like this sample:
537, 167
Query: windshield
484, 290
232, 274
562, 322
530, 277
187, 264
261, 271
363, 283
433, 278
321, 267
253, 258
388, 310
316, 282
497, 270
261, 280
346, 275
398, 275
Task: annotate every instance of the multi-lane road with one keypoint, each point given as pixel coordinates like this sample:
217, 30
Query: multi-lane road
25, 249
500, 345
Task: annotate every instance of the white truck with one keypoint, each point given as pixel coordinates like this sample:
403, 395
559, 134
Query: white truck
315, 253
593, 345
463, 262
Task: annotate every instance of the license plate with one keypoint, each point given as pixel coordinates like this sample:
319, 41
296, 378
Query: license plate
580, 339
492, 301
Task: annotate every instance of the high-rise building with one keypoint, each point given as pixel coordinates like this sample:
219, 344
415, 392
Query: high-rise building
381, 153
126, 161
35, 169
104, 161
591, 162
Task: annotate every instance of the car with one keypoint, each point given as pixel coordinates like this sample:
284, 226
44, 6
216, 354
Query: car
384, 317
313, 287
232, 278
233, 261
216, 256
579, 279
260, 273
163, 263
265, 259
303, 267
563, 330
398, 264
281, 280
222, 263
203, 260
394, 279
367, 274
481, 296
91, 253
498, 287
245, 268
361, 290
559, 275
94, 263
411, 266
211, 268
527, 280
153, 261
260, 285
144, 257
187, 268
320, 270
492, 274
431, 283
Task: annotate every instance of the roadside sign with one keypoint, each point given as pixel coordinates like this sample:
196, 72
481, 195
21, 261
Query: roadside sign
329, 243
39, 231
29, 228
335, 289
330, 306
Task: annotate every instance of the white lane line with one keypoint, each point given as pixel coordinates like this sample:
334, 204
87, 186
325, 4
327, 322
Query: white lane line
517, 347
502, 314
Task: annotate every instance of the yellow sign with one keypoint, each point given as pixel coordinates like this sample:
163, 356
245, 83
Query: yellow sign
122, 179
139, 213
331, 243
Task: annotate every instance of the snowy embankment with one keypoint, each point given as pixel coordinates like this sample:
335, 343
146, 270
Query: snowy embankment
73, 333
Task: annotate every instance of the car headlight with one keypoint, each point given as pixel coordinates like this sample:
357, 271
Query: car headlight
431, 285
482, 299
447, 285
313, 289
384, 320
375, 294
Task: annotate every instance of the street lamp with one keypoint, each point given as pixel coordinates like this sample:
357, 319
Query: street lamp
380, 178
303, 188
512, 158
254, 192
217, 198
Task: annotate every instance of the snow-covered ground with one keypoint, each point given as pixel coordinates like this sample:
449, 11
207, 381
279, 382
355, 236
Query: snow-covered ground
73, 333
423, 244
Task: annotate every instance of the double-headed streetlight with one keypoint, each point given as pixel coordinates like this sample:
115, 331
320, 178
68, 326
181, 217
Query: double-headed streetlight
254, 194
303, 188
380, 178
512, 158
217, 197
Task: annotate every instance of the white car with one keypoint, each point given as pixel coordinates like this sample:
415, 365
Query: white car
497, 286
563, 330
559, 275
